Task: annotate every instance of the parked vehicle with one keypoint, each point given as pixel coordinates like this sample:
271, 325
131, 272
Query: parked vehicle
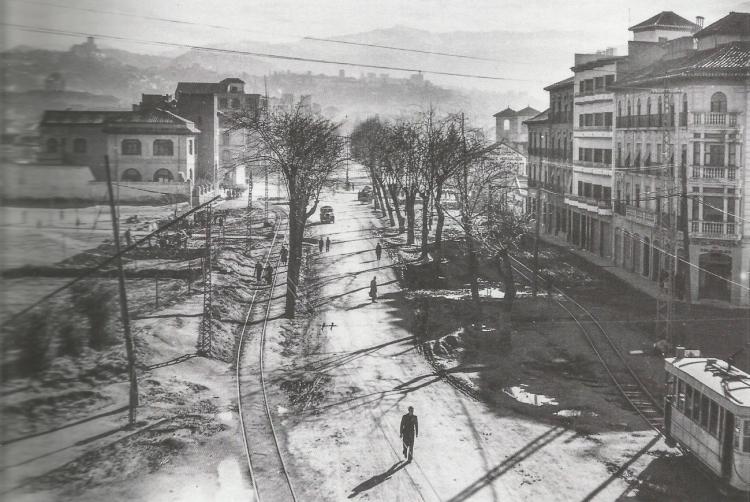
326, 214
707, 411
365, 195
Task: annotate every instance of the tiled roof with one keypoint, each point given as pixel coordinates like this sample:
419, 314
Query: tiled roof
528, 112
730, 60
596, 63
568, 82
199, 88
734, 23
539, 118
117, 121
508, 112
665, 19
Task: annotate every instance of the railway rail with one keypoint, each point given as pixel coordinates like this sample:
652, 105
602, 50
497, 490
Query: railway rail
610, 356
268, 469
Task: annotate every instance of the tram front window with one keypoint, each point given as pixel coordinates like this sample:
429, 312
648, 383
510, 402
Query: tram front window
713, 422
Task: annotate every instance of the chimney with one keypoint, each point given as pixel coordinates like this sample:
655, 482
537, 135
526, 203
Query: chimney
699, 21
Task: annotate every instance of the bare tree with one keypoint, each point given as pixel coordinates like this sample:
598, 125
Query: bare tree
307, 149
368, 139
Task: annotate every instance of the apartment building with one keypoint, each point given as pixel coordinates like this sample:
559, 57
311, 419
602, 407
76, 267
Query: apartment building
686, 115
221, 152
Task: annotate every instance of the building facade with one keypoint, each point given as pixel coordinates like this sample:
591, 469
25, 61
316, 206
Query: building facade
142, 145
510, 127
682, 122
221, 151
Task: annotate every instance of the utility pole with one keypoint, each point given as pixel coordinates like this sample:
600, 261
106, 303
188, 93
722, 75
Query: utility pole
265, 164
206, 336
249, 219
130, 353
535, 284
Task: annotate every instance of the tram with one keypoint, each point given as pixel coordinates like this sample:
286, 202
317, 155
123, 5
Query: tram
707, 412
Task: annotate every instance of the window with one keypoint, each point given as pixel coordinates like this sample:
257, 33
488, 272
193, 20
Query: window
732, 161
608, 119
659, 108
222, 102
713, 421
581, 120
696, 409
225, 138
619, 108
79, 145
714, 155
704, 411
190, 147
131, 174
648, 106
609, 80
163, 147
638, 107
226, 156
684, 104
235, 103
696, 154
52, 145
163, 175
581, 87
718, 103
638, 196
506, 125
131, 147
680, 397
629, 108
746, 436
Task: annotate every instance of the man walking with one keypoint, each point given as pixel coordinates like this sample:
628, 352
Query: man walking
269, 274
409, 430
320, 245
328, 244
378, 251
374, 290
258, 271
284, 254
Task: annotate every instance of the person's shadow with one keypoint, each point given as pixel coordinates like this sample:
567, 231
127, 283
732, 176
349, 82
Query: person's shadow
377, 479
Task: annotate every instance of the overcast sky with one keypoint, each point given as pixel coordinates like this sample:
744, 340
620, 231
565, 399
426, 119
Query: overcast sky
277, 20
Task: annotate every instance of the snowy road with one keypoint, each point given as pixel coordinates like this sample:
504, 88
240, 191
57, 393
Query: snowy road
349, 446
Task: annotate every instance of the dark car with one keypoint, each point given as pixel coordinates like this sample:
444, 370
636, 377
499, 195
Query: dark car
326, 214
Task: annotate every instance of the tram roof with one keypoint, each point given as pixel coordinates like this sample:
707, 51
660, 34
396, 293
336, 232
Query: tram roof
733, 384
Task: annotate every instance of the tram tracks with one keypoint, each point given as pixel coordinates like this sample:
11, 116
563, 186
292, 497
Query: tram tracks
268, 469
630, 386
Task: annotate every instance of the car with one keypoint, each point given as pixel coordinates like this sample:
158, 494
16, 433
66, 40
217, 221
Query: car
326, 214
365, 195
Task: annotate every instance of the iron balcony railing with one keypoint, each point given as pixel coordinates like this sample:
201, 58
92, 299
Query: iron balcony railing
714, 173
715, 119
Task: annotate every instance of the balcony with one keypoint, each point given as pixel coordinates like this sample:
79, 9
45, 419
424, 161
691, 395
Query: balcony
641, 215
645, 121
600, 206
711, 173
715, 119
714, 230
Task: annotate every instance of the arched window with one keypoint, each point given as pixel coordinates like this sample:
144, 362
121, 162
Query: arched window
629, 108
79, 145
163, 175
719, 102
659, 109
131, 147
131, 174
619, 108
638, 107
648, 106
506, 125
235, 103
684, 103
52, 145
163, 147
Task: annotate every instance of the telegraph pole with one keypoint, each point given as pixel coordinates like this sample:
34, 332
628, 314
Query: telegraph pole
206, 335
133, 404
249, 219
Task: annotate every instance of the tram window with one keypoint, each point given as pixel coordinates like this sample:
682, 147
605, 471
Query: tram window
704, 411
680, 395
713, 421
746, 436
688, 401
695, 415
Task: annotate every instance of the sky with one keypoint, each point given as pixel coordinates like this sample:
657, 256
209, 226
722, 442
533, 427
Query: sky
604, 21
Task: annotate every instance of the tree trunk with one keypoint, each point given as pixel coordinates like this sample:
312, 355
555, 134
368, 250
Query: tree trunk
440, 217
384, 198
426, 217
472, 256
296, 234
394, 196
411, 200
506, 273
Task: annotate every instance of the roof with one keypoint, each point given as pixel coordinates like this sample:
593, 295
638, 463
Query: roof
508, 112
734, 384
232, 80
517, 149
596, 63
539, 118
729, 60
665, 20
568, 82
199, 88
142, 121
528, 112
734, 23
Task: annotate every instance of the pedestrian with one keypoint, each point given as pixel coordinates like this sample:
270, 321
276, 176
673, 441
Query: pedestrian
269, 274
328, 244
258, 271
320, 245
284, 254
409, 430
374, 290
378, 251
550, 286
128, 237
